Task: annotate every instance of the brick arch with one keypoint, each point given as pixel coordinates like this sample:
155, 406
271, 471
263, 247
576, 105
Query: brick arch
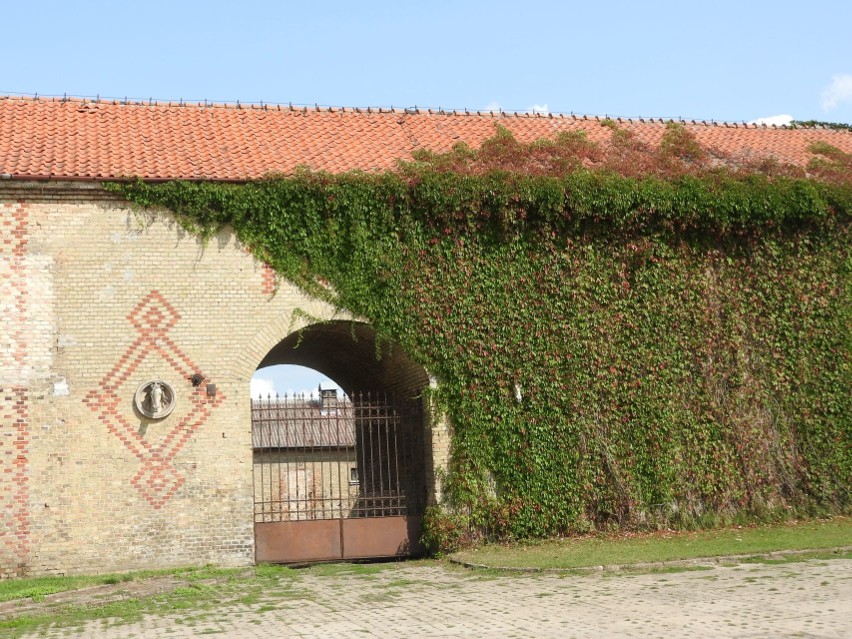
390, 451
350, 353
269, 333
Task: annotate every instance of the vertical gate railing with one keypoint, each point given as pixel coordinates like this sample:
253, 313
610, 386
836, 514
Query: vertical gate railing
329, 458
378, 445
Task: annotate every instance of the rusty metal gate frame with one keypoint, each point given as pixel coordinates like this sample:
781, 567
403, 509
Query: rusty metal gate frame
334, 478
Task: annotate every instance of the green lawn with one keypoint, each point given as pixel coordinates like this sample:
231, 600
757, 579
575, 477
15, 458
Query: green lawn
603, 550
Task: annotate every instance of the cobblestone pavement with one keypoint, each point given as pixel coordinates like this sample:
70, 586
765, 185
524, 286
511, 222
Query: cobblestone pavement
802, 599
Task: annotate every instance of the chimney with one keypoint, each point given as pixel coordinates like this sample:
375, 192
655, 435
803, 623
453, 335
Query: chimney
328, 398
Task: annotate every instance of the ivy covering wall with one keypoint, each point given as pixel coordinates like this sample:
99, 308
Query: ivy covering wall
623, 336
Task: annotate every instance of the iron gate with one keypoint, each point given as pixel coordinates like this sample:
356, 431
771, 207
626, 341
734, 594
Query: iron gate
336, 477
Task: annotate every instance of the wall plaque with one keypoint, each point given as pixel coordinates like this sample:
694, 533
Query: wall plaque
155, 399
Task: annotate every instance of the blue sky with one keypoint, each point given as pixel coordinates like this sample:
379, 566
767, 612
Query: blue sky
288, 380
721, 60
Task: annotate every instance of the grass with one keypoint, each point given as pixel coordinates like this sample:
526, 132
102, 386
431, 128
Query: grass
203, 589
39, 587
200, 593
623, 550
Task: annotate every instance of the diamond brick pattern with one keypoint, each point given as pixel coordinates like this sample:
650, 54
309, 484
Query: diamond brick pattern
94, 140
154, 315
158, 480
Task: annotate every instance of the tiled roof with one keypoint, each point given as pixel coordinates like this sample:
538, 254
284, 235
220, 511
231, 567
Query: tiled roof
94, 140
294, 423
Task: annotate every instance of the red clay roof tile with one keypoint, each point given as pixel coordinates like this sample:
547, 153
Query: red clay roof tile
76, 139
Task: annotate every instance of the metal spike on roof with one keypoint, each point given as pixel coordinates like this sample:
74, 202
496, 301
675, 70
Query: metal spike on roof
218, 125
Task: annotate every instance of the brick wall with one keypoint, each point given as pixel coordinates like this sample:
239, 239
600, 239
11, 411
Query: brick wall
97, 298
15, 375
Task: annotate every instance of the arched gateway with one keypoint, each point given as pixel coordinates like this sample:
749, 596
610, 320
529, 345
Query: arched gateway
341, 476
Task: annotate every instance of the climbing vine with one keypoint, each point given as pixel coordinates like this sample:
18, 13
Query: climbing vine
623, 336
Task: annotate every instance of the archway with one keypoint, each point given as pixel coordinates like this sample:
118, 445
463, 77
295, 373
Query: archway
341, 475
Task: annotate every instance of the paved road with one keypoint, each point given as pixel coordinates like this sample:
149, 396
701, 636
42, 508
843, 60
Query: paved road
811, 599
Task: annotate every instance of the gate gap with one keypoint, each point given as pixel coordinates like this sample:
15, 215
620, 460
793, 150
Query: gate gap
278, 380
338, 475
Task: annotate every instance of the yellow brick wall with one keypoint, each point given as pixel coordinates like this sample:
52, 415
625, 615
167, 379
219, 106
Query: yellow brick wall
97, 297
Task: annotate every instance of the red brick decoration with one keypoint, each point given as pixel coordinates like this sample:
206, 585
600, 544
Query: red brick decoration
14, 475
157, 480
269, 279
14, 398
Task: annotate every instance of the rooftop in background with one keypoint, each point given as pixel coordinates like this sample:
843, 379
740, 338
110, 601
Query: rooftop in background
296, 422
73, 138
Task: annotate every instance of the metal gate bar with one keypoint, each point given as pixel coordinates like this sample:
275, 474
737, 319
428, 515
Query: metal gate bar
328, 458
377, 439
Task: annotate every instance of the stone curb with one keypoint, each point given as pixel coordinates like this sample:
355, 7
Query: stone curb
677, 563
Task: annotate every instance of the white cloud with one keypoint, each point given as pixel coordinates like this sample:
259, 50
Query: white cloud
777, 120
838, 92
495, 107
262, 387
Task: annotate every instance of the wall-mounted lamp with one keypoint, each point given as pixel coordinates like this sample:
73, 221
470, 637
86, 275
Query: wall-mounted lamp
196, 379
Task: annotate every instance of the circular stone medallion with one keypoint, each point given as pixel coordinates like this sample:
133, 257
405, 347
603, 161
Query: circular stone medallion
155, 399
